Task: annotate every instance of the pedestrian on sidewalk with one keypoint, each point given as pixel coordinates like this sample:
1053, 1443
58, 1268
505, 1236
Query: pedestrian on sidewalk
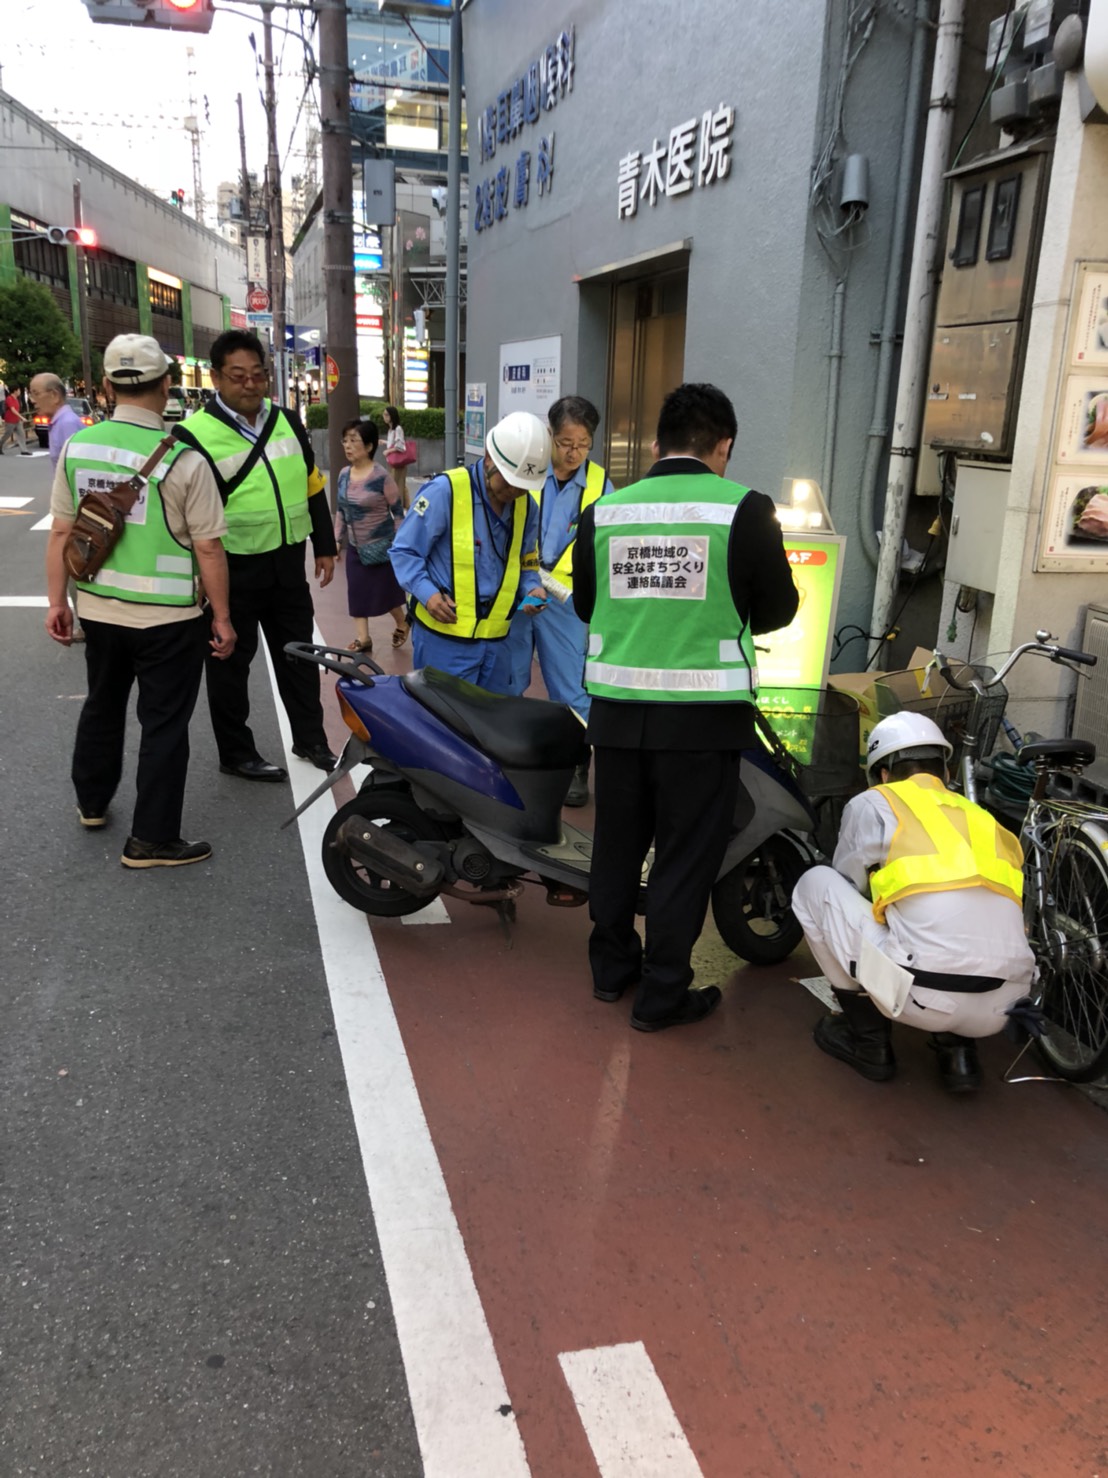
573, 483
467, 552
14, 429
675, 575
142, 618
931, 883
369, 510
395, 450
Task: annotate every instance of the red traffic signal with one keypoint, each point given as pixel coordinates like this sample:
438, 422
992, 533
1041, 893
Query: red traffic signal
71, 236
176, 15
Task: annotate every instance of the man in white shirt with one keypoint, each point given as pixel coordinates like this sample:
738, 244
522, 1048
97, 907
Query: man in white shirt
931, 883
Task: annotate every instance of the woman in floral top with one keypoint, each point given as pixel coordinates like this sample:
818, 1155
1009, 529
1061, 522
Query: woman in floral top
368, 512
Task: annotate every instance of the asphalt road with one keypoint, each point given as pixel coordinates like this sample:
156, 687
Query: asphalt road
191, 1276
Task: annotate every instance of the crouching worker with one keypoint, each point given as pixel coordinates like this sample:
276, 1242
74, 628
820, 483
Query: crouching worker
919, 918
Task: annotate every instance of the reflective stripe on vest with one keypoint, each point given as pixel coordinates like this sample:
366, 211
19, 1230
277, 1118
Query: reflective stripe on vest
664, 625
147, 565
470, 626
594, 486
270, 508
943, 842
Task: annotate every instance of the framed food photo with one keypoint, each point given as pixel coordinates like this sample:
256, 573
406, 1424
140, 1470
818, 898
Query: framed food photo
1090, 327
1083, 420
1075, 522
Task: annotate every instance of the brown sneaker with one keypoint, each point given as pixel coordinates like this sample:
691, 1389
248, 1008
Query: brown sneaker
164, 854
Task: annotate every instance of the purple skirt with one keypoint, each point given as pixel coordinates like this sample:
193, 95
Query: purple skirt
371, 590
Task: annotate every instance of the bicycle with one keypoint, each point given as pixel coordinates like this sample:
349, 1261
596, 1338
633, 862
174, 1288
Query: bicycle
1065, 868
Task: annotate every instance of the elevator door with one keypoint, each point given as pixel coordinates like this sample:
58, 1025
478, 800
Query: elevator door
646, 360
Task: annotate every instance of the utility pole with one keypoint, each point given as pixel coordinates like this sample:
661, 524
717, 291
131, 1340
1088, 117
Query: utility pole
82, 298
338, 222
276, 214
453, 234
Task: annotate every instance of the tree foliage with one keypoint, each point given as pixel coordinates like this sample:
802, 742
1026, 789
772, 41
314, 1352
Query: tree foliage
34, 334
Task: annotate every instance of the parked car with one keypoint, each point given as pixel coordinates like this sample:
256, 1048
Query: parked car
86, 412
176, 407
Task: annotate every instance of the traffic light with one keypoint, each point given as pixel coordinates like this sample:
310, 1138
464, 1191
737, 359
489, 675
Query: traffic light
177, 198
175, 15
71, 236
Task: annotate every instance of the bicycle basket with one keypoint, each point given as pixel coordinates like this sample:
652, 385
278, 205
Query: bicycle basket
957, 713
817, 729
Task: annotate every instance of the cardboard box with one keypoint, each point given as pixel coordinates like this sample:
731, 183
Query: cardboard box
877, 699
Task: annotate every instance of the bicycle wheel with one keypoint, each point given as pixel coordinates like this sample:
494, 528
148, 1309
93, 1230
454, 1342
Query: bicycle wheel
1070, 940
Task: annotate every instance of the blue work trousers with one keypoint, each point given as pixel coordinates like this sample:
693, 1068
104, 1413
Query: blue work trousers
560, 638
485, 663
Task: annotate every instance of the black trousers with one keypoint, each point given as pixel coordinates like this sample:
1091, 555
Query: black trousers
283, 609
166, 663
683, 801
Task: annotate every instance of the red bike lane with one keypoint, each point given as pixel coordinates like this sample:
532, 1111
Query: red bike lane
827, 1275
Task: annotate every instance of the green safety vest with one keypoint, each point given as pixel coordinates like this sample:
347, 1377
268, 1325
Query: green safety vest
594, 486
148, 564
470, 625
943, 842
664, 626
266, 505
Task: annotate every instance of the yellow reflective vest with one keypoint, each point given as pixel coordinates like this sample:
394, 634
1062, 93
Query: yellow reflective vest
943, 842
595, 478
470, 625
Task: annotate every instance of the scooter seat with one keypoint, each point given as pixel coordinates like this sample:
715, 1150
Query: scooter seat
524, 733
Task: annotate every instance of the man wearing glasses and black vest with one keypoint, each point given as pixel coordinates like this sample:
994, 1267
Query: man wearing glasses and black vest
274, 498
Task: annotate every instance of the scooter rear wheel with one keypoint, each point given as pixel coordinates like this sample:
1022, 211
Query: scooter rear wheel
751, 904
353, 881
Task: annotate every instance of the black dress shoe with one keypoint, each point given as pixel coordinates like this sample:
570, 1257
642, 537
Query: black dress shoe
317, 754
258, 769
601, 994
959, 1068
696, 1005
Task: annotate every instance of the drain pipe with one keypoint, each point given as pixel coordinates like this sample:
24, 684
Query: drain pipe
917, 325
831, 424
890, 319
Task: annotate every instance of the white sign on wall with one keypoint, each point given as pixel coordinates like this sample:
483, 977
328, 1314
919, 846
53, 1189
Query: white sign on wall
476, 406
530, 376
677, 166
256, 267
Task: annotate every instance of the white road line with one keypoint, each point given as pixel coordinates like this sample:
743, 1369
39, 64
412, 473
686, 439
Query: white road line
15, 502
434, 913
43, 523
455, 1384
23, 600
627, 1416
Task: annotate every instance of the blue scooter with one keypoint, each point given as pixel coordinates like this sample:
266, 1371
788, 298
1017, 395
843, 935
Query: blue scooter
464, 798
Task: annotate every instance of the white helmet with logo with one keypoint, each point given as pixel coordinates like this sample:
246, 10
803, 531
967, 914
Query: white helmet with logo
520, 447
904, 735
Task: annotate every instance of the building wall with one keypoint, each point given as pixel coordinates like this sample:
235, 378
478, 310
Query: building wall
38, 167
761, 288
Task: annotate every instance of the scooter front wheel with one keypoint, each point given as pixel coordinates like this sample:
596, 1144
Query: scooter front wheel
355, 882
752, 906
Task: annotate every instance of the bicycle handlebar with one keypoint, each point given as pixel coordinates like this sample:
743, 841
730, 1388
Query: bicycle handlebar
1042, 646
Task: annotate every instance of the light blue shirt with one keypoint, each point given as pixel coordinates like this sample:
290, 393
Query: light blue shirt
561, 510
422, 552
64, 423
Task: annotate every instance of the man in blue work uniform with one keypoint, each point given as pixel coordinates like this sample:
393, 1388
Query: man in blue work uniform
573, 483
467, 552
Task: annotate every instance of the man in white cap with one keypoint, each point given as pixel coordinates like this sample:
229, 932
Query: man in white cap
467, 552
141, 612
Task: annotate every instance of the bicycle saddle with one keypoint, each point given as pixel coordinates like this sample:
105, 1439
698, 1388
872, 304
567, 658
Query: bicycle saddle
1064, 752
528, 733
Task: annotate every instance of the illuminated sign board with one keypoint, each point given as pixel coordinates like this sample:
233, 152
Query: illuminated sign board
800, 655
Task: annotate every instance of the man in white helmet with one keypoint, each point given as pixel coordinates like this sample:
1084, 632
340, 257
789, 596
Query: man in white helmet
467, 552
919, 918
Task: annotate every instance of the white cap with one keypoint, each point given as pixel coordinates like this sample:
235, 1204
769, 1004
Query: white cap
520, 447
135, 359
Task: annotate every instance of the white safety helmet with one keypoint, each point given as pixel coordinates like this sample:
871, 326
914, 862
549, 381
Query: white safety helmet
520, 447
902, 735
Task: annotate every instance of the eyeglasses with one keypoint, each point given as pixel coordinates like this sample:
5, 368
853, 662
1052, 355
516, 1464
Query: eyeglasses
245, 377
567, 448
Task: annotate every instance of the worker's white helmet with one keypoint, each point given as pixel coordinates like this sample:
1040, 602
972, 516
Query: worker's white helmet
520, 447
902, 735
